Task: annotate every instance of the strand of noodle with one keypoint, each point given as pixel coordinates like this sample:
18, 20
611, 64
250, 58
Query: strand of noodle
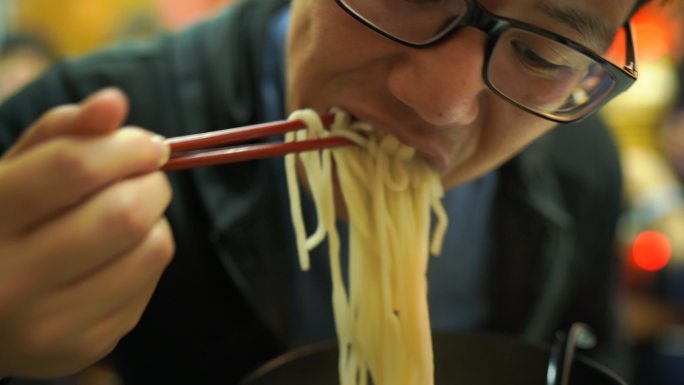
440, 229
365, 328
314, 169
405, 289
396, 177
354, 177
401, 265
424, 342
340, 301
380, 237
442, 219
419, 323
318, 168
426, 338
393, 365
296, 208
384, 253
355, 137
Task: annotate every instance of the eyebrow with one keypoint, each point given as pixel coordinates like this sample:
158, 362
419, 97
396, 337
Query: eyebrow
588, 24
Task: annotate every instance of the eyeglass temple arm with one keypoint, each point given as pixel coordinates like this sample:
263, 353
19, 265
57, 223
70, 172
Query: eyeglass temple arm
631, 65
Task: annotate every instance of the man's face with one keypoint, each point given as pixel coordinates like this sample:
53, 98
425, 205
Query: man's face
433, 99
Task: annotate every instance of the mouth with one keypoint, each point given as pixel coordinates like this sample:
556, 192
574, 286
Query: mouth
432, 143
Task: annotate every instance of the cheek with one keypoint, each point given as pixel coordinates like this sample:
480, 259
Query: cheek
301, 44
511, 131
503, 133
331, 56
316, 46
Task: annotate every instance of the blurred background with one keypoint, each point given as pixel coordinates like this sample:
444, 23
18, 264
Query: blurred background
33, 33
648, 123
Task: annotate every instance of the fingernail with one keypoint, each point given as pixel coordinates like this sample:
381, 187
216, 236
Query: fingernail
164, 149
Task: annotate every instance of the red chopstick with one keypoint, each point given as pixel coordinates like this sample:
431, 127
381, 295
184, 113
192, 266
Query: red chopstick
200, 149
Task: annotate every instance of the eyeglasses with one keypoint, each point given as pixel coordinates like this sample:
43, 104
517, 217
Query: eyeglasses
536, 70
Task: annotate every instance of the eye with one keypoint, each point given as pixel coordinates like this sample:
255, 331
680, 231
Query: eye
533, 59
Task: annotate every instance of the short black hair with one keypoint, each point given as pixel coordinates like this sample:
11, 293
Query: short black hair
641, 3
27, 42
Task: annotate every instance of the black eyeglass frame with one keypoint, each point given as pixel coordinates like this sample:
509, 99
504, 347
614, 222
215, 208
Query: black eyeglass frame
494, 26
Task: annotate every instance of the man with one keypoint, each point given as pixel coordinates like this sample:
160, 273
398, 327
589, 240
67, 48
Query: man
84, 238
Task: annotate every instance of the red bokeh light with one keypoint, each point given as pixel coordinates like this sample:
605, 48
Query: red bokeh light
651, 251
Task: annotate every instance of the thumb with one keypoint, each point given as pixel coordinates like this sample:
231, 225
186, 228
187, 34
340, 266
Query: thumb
101, 113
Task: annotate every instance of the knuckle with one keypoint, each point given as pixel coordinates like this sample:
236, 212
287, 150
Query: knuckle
131, 322
161, 247
88, 352
73, 165
135, 205
37, 340
165, 186
160, 182
94, 344
125, 215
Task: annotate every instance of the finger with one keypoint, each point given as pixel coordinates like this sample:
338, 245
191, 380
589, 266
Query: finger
33, 356
84, 239
102, 293
81, 322
101, 113
98, 341
124, 299
60, 173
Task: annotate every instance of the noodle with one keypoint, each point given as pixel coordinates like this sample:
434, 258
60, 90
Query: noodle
381, 318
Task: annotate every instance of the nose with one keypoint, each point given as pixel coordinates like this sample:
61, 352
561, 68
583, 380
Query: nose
443, 83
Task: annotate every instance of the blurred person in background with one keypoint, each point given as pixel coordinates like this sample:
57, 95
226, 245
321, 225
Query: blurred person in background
23, 57
179, 14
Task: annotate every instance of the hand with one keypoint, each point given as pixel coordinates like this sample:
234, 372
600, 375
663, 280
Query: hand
83, 238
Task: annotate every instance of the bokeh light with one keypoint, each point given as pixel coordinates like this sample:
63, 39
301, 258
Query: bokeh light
651, 250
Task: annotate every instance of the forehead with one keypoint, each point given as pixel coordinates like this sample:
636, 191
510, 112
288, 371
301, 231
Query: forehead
613, 11
592, 22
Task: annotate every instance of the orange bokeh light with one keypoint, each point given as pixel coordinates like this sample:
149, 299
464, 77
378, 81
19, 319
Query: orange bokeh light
654, 34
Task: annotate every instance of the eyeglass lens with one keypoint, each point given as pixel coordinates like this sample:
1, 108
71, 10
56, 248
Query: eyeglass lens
546, 76
412, 21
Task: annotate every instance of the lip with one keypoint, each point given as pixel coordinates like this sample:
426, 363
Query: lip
431, 142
